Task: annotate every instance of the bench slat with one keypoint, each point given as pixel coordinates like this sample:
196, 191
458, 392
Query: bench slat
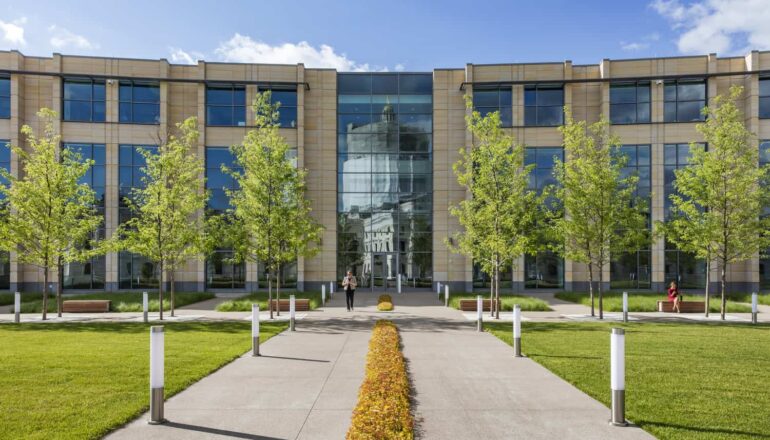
300, 305
684, 306
86, 306
469, 305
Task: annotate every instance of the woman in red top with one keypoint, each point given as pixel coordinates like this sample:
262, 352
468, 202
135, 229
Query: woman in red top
674, 296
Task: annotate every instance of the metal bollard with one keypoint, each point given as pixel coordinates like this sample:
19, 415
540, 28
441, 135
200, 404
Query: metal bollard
438, 290
323, 295
292, 312
754, 307
618, 376
398, 283
479, 313
331, 289
625, 306
446, 296
517, 330
156, 375
255, 329
145, 306
17, 307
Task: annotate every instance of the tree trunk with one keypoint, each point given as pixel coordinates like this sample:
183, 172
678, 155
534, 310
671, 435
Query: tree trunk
278, 290
160, 290
270, 294
724, 293
171, 280
591, 286
59, 287
706, 295
491, 290
497, 293
601, 296
45, 292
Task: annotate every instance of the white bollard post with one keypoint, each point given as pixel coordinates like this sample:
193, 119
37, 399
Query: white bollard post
479, 313
618, 376
754, 307
17, 307
156, 374
438, 289
625, 306
323, 295
331, 289
398, 283
446, 296
292, 312
145, 306
255, 329
517, 330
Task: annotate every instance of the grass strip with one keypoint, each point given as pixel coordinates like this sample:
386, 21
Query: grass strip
645, 302
383, 410
243, 304
124, 301
527, 303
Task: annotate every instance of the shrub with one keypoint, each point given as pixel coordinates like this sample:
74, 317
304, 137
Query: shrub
383, 409
385, 306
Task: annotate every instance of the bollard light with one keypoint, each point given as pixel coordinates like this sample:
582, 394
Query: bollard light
754, 307
292, 312
255, 329
145, 306
323, 294
331, 289
479, 313
618, 376
438, 290
17, 307
625, 306
517, 330
156, 374
398, 283
446, 296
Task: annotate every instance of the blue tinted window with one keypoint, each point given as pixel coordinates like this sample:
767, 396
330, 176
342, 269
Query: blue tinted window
139, 102
764, 98
5, 97
130, 172
487, 101
630, 102
217, 180
287, 111
684, 100
543, 105
84, 100
226, 105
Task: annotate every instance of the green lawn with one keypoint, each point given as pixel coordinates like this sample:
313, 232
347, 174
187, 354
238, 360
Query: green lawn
76, 381
6, 298
762, 298
125, 301
527, 303
683, 381
243, 304
644, 302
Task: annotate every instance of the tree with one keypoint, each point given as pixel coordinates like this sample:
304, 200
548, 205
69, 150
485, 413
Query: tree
718, 206
601, 215
166, 226
48, 216
270, 218
499, 217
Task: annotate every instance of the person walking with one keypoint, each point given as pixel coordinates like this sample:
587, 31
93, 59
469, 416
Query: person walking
349, 283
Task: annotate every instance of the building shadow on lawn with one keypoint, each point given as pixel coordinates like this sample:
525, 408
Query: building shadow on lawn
218, 432
649, 424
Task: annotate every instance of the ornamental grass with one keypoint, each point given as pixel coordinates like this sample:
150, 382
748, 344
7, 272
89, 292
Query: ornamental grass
383, 409
385, 303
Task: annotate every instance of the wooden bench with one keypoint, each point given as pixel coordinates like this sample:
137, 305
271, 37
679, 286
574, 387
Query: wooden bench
469, 305
300, 305
684, 306
86, 306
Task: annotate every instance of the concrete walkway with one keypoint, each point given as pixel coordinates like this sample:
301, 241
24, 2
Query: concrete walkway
466, 384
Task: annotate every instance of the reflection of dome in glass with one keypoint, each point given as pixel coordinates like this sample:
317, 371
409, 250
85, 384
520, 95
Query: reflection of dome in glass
388, 114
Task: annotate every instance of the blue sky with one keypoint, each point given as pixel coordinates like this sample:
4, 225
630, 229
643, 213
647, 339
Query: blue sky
394, 35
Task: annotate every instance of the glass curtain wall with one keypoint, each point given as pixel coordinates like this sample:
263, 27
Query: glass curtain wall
5, 257
632, 269
680, 266
384, 180
546, 269
764, 257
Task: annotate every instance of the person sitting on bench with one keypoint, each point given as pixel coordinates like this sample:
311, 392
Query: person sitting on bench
674, 296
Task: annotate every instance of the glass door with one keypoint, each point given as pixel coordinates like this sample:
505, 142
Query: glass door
384, 271
544, 271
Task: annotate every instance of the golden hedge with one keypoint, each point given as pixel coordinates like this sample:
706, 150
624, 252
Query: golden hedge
385, 306
383, 409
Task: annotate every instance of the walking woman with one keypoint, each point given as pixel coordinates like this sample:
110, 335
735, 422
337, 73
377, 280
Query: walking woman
349, 283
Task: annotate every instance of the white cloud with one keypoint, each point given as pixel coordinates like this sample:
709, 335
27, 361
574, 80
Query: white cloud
724, 26
243, 49
179, 56
12, 32
633, 47
62, 38
399, 67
